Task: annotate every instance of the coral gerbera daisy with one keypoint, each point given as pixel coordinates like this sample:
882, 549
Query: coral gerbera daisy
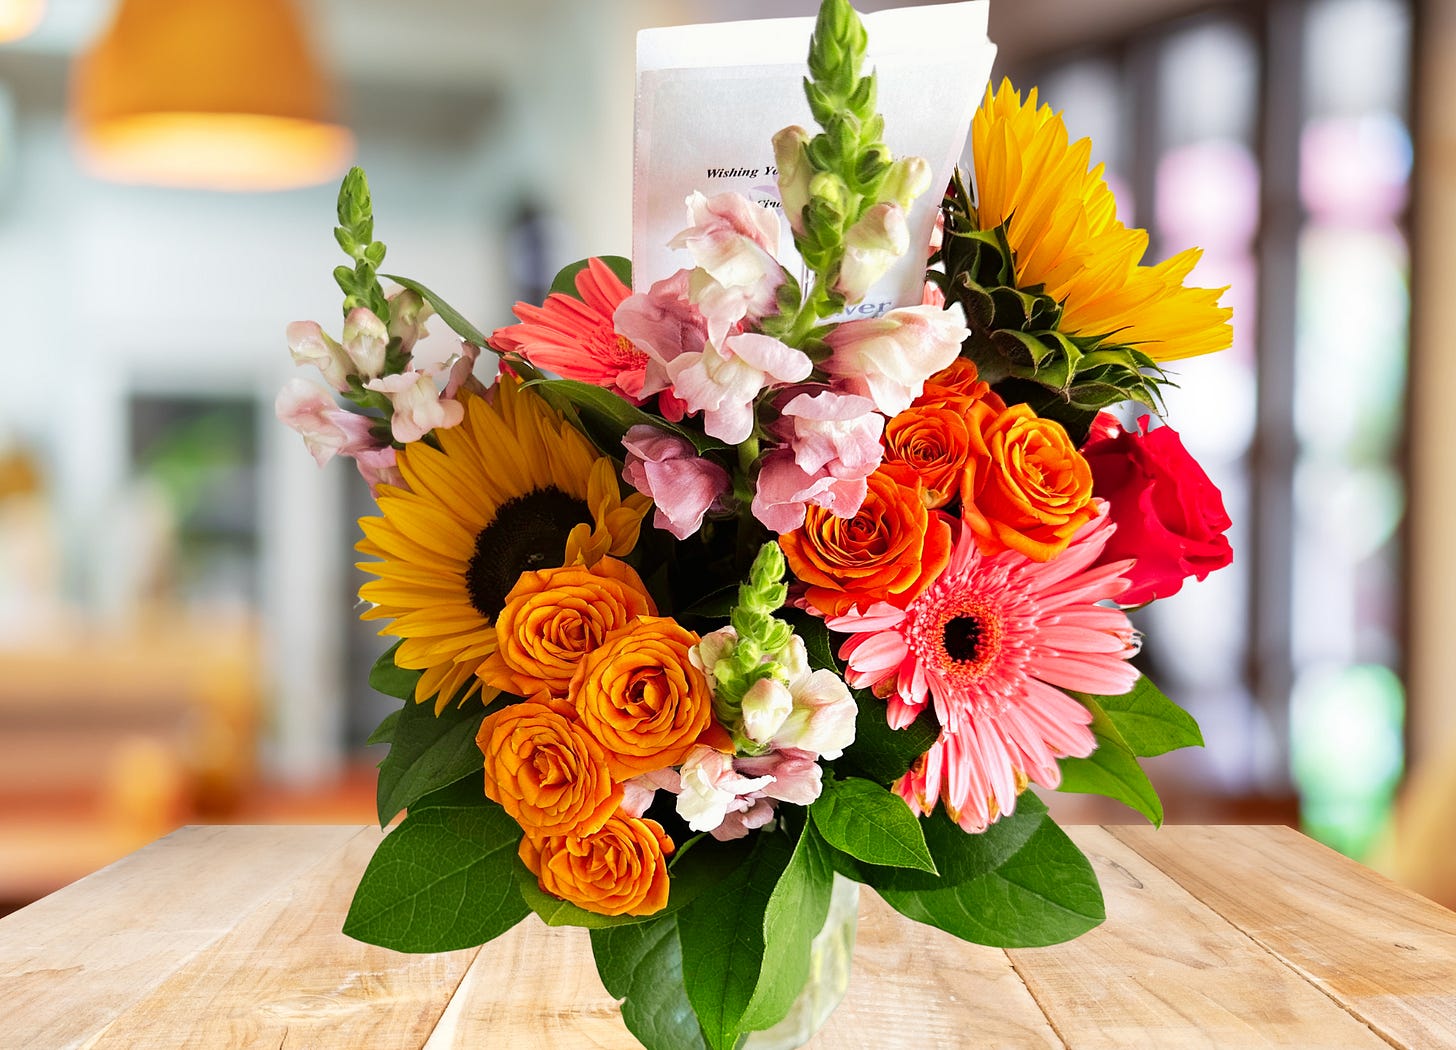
574, 337
512, 488
993, 642
1061, 223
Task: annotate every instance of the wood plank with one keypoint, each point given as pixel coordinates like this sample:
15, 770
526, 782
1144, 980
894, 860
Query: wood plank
71, 962
915, 986
1386, 954
1165, 971
536, 988
287, 976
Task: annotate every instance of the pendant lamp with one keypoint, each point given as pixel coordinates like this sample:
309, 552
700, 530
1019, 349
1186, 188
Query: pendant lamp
207, 94
19, 17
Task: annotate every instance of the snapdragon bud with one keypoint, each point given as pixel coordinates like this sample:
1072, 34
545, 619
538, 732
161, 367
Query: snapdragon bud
795, 171
906, 180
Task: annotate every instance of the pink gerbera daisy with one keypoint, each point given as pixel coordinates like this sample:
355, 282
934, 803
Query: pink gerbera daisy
574, 337
993, 642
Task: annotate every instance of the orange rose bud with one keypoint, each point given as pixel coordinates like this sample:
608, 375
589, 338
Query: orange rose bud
1025, 486
545, 771
554, 617
619, 869
889, 551
933, 441
641, 698
958, 380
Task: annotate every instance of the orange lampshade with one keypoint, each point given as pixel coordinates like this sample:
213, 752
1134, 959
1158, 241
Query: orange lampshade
208, 94
19, 17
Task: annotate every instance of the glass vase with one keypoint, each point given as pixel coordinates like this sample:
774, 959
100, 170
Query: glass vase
830, 958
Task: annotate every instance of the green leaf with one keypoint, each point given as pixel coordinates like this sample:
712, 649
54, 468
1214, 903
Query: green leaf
795, 914
880, 753
606, 417
1149, 722
451, 316
440, 881
960, 856
565, 282
1111, 770
386, 678
384, 732
723, 942
871, 824
1045, 893
427, 753
642, 966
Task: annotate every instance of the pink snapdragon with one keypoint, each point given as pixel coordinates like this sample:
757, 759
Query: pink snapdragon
833, 445
664, 325
366, 341
734, 244
418, 407
311, 345
327, 429
379, 466
871, 247
723, 382
682, 485
889, 358
407, 315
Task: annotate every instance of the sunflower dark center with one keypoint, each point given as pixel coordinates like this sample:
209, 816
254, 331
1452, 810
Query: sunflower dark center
962, 638
529, 532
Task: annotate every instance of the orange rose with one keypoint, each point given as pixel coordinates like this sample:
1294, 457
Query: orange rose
545, 771
1025, 486
641, 698
554, 617
958, 380
889, 551
620, 869
933, 441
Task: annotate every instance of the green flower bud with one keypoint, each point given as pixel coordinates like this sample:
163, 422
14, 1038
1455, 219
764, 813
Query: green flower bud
792, 157
906, 180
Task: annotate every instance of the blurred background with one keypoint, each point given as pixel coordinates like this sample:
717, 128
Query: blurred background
178, 631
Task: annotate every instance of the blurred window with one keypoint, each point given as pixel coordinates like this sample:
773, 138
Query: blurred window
1275, 136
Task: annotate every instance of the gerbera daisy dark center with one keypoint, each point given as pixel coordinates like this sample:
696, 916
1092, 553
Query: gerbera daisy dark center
962, 638
529, 532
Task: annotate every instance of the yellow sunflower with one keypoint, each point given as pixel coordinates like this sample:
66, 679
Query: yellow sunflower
1062, 225
512, 488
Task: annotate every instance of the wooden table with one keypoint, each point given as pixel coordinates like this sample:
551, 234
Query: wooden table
1215, 937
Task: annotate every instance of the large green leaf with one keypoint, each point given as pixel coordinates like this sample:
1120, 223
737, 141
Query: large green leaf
960, 856
796, 912
1045, 893
387, 678
565, 282
1111, 770
1149, 722
723, 941
871, 824
384, 731
641, 965
427, 753
451, 316
442, 880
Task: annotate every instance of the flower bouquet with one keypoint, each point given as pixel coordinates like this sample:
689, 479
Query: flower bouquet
721, 594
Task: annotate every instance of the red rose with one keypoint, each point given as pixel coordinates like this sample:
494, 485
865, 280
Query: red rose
1169, 516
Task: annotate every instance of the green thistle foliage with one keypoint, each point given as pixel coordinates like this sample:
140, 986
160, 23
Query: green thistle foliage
1015, 342
355, 234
